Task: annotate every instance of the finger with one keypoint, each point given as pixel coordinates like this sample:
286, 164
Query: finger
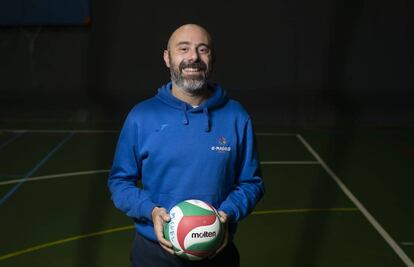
165, 217
160, 235
158, 228
169, 250
164, 242
222, 216
159, 232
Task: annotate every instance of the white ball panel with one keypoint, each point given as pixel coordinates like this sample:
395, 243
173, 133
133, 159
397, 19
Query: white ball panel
176, 215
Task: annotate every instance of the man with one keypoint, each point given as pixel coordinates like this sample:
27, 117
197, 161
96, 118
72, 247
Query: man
188, 142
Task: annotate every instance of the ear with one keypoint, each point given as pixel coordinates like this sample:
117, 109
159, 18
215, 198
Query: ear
166, 58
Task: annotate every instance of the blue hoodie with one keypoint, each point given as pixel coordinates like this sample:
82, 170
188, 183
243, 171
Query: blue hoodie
180, 152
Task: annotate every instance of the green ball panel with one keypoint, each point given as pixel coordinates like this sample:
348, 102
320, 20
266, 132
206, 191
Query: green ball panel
166, 232
189, 209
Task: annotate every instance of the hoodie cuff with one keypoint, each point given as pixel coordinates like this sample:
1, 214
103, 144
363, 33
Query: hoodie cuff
146, 209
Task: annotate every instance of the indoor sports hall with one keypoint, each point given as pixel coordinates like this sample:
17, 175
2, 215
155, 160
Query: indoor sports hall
328, 85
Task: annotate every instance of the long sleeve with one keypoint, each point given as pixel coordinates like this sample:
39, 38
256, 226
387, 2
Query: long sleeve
122, 182
249, 186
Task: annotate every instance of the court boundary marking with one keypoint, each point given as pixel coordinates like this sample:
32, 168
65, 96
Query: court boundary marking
80, 173
391, 242
54, 176
131, 227
38, 165
377, 226
10, 140
298, 162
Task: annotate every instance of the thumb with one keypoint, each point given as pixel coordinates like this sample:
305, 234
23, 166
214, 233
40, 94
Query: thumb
222, 216
165, 216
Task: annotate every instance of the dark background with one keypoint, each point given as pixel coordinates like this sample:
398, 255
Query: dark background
292, 63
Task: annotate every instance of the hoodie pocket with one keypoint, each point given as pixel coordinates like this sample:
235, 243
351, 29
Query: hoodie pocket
169, 200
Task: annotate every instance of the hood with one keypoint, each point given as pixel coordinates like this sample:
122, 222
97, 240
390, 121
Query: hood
218, 99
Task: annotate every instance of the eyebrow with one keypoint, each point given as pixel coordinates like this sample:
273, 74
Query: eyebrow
188, 43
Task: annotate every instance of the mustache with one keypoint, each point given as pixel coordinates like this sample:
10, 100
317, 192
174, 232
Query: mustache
195, 65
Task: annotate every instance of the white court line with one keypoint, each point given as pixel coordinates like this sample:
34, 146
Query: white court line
275, 134
289, 162
106, 131
359, 205
68, 174
407, 243
36, 167
53, 176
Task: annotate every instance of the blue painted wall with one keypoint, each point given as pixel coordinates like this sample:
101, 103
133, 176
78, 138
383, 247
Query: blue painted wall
44, 12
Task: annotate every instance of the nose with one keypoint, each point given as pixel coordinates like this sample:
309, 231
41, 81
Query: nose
193, 55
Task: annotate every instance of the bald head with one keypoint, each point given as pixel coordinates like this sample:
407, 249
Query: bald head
189, 56
190, 32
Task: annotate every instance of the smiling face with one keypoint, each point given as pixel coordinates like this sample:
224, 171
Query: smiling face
189, 57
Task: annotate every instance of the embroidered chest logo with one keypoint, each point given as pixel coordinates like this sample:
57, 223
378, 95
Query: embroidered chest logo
162, 127
222, 146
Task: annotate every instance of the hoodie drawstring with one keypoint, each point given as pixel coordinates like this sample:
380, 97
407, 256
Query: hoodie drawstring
207, 119
218, 99
185, 117
206, 114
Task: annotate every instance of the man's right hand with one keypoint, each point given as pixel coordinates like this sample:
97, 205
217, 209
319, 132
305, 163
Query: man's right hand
159, 218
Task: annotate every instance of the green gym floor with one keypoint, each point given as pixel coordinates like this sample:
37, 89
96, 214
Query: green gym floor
333, 198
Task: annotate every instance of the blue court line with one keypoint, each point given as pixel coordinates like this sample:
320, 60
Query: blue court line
10, 140
35, 168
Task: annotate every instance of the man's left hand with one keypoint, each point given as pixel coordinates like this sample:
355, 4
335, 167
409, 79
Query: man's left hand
223, 219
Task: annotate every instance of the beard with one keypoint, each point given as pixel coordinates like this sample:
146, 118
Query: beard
192, 83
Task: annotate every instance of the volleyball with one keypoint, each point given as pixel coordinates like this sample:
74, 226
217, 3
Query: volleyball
194, 230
